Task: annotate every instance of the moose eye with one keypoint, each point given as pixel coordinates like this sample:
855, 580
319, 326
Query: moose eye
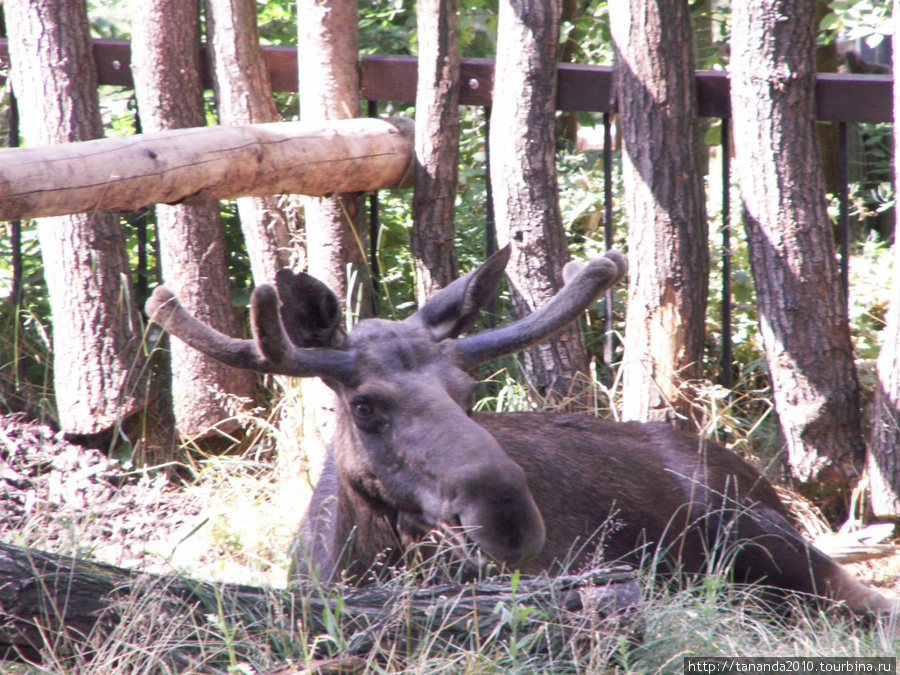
365, 417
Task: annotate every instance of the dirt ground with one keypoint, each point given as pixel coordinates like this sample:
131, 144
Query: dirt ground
61, 497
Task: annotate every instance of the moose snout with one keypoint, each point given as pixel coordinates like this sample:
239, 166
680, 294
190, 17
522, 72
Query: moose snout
495, 509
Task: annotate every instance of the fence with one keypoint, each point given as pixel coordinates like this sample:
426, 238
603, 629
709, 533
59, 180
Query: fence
841, 98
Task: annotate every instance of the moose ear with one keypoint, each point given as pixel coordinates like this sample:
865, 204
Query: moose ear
455, 309
310, 311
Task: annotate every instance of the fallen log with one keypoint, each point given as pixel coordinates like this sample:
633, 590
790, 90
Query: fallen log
188, 166
48, 600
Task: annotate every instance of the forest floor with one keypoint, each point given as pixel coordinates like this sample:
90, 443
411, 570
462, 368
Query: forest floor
232, 522
65, 498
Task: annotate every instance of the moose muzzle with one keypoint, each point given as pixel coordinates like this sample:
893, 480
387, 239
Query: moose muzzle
492, 504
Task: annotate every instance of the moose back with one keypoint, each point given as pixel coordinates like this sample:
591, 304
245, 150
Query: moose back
527, 489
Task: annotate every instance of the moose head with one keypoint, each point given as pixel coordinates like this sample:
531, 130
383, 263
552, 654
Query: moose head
408, 456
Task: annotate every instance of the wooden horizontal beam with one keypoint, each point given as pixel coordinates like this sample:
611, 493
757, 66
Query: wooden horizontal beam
187, 166
581, 87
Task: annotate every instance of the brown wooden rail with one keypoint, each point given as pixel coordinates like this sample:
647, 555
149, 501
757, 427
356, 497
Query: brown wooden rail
841, 98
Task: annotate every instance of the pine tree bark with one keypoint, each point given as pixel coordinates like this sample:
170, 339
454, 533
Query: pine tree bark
884, 442
665, 208
244, 96
526, 193
328, 39
97, 357
166, 67
437, 147
802, 314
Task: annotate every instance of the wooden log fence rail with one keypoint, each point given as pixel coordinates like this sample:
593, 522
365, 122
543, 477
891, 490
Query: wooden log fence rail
195, 165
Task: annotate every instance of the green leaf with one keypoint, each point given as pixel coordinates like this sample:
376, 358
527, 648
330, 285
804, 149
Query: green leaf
874, 40
830, 22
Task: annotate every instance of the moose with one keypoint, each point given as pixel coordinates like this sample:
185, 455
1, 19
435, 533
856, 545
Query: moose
526, 489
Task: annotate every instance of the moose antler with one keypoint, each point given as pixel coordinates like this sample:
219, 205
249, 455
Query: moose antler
271, 350
584, 282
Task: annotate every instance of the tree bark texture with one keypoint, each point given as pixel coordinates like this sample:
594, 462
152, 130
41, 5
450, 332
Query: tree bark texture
166, 67
884, 442
437, 148
665, 207
97, 357
526, 193
192, 166
244, 96
329, 90
51, 600
802, 314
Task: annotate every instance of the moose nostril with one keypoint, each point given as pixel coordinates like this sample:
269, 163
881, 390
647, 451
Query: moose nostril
522, 549
508, 529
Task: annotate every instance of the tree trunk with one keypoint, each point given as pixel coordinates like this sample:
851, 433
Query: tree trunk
166, 48
884, 442
802, 314
52, 602
437, 148
97, 360
526, 194
665, 208
329, 90
244, 96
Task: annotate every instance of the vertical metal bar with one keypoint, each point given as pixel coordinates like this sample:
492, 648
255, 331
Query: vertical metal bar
727, 353
490, 224
374, 231
18, 265
142, 290
607, 181
844, 209
607, 239
16, 226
